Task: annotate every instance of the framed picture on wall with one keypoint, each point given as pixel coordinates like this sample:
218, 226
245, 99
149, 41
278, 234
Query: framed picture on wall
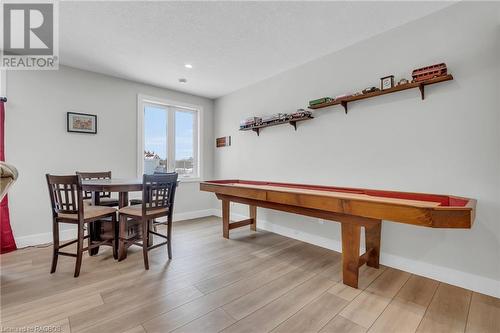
224, 141
81, 123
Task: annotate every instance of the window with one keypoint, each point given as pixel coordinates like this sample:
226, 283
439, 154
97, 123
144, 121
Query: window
185, 122
168, 138
155, 138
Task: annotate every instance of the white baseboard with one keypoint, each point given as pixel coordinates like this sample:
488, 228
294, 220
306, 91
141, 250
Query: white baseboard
44, 238
454, 277
192, 215
68, 234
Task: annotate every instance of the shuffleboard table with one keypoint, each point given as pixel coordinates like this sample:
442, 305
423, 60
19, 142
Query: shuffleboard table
352, 207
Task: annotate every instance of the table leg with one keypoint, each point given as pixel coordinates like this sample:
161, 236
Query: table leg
122, 229
372, 241
95, 227
350, 253
225, 218
253, 216
351, 260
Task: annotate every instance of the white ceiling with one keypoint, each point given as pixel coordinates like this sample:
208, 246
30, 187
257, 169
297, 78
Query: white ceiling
230, 44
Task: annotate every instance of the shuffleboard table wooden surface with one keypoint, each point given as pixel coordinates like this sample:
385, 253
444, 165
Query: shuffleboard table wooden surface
352, 207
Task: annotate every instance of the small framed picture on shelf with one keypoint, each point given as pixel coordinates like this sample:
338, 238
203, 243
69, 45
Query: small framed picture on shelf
387, 82
81, 122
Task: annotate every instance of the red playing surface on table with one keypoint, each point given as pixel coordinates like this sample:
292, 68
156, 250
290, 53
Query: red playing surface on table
443, 200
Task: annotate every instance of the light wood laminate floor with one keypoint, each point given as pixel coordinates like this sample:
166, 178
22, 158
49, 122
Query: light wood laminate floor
254, 282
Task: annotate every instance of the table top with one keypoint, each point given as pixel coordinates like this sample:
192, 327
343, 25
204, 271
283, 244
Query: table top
426, 200
342, 195
112, 181
113, 184
426, 209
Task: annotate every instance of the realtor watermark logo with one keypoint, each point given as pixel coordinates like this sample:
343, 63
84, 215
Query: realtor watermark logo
30, 35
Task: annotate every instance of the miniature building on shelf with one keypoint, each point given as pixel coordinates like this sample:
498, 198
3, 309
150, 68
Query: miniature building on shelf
429, 72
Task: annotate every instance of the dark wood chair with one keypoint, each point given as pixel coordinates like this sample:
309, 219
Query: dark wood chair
66, 198
139, 201
157, 201
105, 198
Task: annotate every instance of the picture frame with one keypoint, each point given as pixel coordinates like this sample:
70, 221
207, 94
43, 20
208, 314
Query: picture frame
224, 141
387, 82
81, 123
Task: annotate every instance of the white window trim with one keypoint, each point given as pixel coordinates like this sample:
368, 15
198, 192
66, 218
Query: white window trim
3, 83
142, 100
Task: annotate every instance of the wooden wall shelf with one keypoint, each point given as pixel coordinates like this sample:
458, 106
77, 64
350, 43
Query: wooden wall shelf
293, 122
420, 85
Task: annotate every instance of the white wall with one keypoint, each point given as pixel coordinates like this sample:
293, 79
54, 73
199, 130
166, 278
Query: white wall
448, 143
37, 141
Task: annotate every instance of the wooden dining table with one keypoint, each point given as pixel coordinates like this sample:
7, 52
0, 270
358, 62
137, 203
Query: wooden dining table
122, 187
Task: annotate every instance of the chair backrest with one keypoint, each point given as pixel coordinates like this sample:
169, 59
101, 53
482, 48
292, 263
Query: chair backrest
95, 175
159, 192
66, 194
162, 173
166, 173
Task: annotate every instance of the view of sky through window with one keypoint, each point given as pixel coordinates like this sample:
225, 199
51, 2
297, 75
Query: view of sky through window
155, 131
184, 144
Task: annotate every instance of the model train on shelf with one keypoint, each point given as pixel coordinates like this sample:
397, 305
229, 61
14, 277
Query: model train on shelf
429, 72
276, 118
301, 113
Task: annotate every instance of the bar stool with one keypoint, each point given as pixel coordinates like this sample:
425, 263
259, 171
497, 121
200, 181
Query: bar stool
157, 201
67, 206
105, 198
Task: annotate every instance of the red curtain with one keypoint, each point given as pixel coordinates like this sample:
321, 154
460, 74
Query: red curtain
7, 242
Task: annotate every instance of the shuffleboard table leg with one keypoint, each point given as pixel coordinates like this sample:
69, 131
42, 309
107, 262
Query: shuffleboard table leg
253, 216
372, 241
350, 253
225, 218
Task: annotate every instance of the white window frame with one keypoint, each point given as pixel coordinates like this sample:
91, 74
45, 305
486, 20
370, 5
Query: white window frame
3, 83
142, 101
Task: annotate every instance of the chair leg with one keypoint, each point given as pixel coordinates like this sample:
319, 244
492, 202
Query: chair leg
55, 253
169, 237
148, 235
115, 237
79, 251
145, 233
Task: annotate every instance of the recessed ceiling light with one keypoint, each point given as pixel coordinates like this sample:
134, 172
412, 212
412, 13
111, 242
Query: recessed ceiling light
188, 66
183, 80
